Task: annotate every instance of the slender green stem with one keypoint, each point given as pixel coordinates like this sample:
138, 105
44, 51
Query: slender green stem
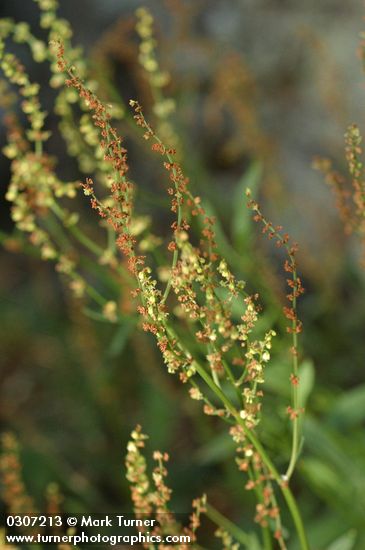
287, 494
77, 233
278, 523
267, 538
179, 219
83, 239
231, 377
178, 197
112, 245
95, 295
212, 370
294, 351
228, 525
266, 535
56, 232
285, 490
295, 401
39, 147
88, 243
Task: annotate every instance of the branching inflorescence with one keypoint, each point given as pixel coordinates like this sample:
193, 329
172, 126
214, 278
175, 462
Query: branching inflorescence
295, 325
204, 321
350, 195
206, 291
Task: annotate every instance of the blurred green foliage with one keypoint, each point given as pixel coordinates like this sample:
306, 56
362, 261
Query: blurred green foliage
72, 388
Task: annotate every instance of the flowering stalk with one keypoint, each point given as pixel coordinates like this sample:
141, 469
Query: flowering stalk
189, 266
350, 195
153, 496
295, 327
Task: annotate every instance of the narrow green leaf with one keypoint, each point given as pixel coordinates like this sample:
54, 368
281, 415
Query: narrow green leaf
241, 218
218, 449
306, 377
120, 339
345, 542
349, 409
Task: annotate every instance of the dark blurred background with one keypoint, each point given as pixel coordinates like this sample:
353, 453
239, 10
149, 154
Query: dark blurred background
269, 81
